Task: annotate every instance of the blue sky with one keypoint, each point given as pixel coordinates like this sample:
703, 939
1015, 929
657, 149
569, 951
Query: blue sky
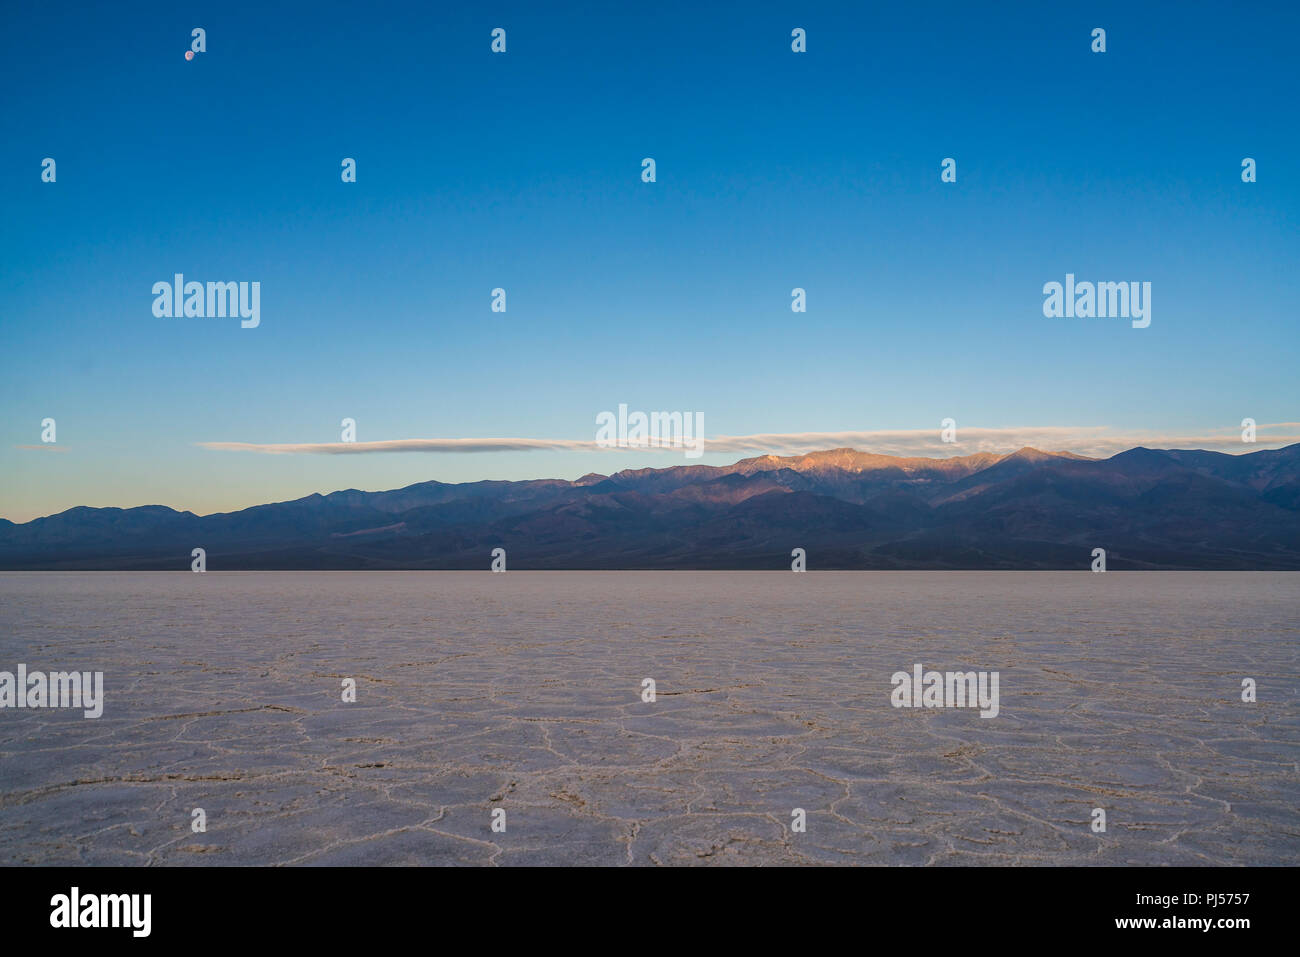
522, 171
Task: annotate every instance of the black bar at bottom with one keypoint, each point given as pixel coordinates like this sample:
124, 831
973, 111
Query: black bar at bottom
636, 908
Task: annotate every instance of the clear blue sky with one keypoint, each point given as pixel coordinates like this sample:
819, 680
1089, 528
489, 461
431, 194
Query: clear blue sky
522, 170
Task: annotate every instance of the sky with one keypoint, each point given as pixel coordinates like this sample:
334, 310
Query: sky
523, 171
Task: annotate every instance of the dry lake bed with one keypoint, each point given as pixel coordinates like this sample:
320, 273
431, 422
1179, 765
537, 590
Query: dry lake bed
523, 692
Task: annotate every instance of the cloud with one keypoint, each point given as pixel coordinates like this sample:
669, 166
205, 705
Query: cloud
1097, 441
405, 445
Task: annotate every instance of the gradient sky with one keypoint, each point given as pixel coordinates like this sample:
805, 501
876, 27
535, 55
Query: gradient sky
522, 171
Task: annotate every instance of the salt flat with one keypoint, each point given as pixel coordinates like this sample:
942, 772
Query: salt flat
522, 691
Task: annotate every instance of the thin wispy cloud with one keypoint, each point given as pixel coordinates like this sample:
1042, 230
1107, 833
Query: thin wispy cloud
1096, 441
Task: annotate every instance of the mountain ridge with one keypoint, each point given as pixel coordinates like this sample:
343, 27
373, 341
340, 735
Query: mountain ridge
1150, 508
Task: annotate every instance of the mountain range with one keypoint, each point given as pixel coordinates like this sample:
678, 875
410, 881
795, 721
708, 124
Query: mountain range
1149, 508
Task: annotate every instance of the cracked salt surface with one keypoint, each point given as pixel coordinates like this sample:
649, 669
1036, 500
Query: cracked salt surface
522, 691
